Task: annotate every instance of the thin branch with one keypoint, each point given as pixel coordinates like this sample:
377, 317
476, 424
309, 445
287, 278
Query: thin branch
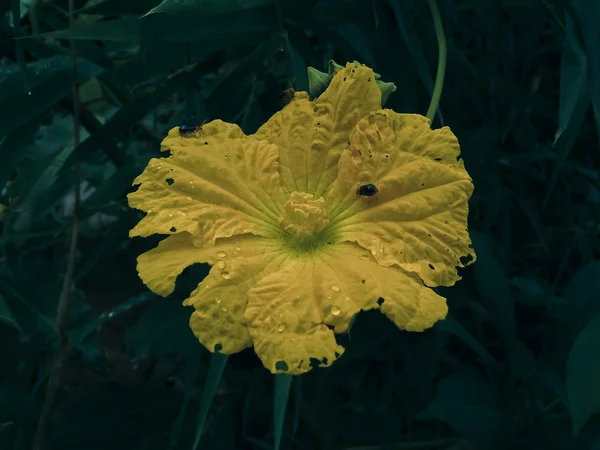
62, 313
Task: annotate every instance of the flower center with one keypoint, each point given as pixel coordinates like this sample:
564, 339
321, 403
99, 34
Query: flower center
304, 218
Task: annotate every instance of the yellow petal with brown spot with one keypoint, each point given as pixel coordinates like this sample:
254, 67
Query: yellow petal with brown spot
418, 220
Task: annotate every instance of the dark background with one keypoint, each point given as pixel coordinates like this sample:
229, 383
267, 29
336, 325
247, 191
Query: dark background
516, 365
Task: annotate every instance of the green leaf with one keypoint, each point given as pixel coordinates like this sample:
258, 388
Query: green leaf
283, 383
587, 13
125, 29
492, 284
215, 372
451, 325
574, 99
469, 404
162, 330
583, 375
573, 76
206, 6
51, 81
583, 289
6, 316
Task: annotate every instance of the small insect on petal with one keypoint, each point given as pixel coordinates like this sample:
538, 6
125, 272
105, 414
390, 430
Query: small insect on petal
367, 190
188, 130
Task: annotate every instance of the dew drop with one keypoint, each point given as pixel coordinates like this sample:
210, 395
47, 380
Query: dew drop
239, 249
221, 264
170, 215
159, 167
221, 254
347, 299
280, 327
365, 257
188, 198
226, 275
335, 310
191, 182
218, 300
224, 308
335, 288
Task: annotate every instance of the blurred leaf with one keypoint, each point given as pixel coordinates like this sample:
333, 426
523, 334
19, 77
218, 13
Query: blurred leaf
125, 29
492, 283
451, 325
206, 6
283, 383
162, 330
468, 404
574, 99
6, 316
573, 77
583, 290
86, 416
583, 373
218, 362
587, 13
243, 27
51, 82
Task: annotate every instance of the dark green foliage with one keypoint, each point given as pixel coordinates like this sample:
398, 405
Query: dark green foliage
515, 365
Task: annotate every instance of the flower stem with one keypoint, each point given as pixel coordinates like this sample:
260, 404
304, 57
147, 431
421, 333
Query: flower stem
441, 70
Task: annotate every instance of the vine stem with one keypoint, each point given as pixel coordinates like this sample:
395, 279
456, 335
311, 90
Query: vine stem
441, 70
62, 313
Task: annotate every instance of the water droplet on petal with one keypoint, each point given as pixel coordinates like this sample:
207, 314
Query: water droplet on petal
280, 327
221, 264
365, 257
188, 198
170, 215
221, 254
226, 275
335, 310
335, 288
347, 299
224, 309
239, 249
219, 300
159, 166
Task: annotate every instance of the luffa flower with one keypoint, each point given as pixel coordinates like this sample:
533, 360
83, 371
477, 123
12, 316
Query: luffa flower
295, 252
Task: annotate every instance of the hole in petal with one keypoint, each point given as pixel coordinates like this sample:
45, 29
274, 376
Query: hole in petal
380, 301
170, 181
431, 267
173, 229
437, 159
217, 348
281, 365
465, 260
363, 281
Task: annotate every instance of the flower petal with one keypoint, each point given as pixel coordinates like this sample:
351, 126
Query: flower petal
159, 267
311, 135
220, 299
216, 183
418, 220
293, 311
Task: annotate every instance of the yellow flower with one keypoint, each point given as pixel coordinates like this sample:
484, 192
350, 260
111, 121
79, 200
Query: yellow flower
295, 251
